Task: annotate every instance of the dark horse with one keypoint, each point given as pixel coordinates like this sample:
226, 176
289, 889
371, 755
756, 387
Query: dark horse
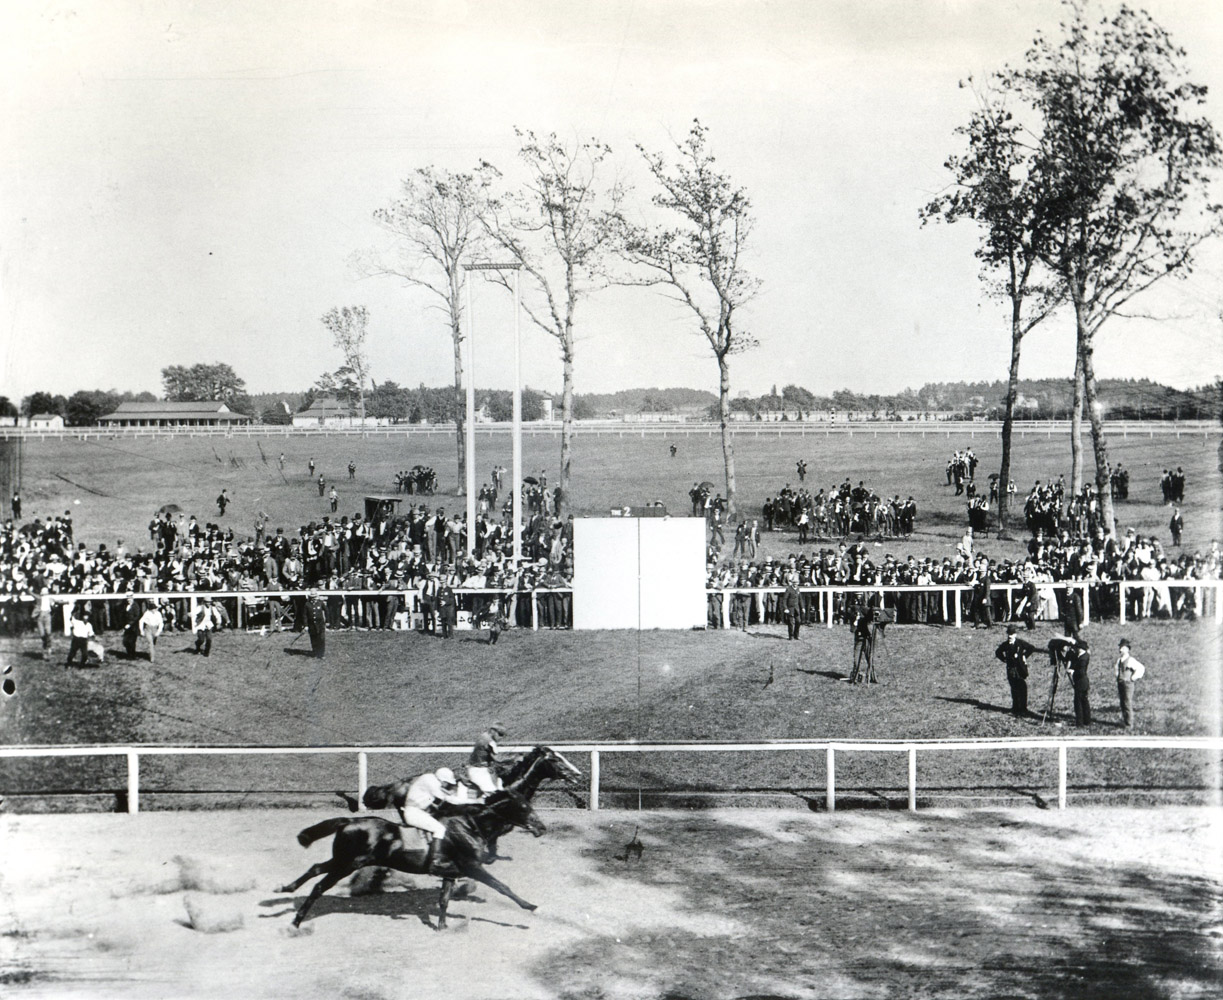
372, 841
536, 766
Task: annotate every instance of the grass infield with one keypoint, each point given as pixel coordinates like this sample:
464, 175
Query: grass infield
377, 688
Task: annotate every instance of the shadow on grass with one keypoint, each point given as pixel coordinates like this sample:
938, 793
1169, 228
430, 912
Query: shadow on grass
972, 905
984, 706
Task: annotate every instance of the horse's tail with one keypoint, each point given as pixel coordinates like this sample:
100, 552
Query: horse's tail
320, 830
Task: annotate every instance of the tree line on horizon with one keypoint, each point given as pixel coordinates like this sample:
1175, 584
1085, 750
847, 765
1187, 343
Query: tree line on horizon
1046, 399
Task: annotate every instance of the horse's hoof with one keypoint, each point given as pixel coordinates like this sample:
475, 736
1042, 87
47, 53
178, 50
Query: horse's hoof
530, 907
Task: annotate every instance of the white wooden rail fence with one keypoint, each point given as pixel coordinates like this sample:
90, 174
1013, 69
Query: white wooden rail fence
1208, 599
597, 751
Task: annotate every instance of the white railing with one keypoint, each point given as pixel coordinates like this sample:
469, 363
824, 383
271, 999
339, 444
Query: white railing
986, 429
598, 751
1207, 596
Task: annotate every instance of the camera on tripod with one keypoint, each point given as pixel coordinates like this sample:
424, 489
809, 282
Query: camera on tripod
883, 616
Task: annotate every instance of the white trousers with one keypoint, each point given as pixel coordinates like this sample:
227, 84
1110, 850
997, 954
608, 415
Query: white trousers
417, 817
484, 779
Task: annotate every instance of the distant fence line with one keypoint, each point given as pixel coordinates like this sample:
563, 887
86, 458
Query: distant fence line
744, 428
826, 606
597, 751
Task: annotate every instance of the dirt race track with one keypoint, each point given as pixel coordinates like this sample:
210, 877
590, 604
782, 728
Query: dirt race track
1090, 902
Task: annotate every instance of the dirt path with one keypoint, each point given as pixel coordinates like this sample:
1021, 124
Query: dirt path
724, 904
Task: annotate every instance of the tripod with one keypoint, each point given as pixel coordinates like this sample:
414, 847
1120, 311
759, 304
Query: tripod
1058, 666
863, 671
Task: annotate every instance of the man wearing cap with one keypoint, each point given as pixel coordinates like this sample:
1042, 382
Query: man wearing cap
481, 765
1014, 652
1128, 670
425, 792
792, 605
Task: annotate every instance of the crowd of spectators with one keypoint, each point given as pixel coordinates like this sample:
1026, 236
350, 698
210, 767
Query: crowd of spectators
403, 559
1098, 563
838, 513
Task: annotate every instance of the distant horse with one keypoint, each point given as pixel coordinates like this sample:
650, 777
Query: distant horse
372, 841
525, 775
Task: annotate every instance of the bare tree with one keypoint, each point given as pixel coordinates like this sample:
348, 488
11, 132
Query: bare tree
348, 329
436, 226
560, 226
697, 261
996, 184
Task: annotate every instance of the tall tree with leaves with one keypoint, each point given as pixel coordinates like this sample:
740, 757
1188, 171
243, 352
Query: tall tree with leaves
560, 227
997, 184
696, 258
348, 328
1128, 162
436, 225
202, 382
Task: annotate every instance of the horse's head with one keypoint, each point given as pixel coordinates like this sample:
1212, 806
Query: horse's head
558, 767
515, 809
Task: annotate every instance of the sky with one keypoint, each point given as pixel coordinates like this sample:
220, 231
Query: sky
186, 182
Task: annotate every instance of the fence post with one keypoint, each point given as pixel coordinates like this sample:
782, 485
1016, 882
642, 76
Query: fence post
362, 774
1086, 604
955, 597
1061, 776
725, 609
830, 609
1121, 599
1218, 604
912, 779
594, 780
133, 783
534, 611
831, 769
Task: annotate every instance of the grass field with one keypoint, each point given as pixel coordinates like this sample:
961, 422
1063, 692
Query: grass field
391, 688
558, 686
121, 481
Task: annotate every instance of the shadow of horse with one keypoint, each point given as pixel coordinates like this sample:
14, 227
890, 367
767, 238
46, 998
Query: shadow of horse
396, 903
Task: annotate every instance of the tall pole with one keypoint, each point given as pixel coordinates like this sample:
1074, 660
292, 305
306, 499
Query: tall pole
516, 487
471, 424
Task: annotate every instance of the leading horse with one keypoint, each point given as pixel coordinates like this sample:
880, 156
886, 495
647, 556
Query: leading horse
537, 765
369, 841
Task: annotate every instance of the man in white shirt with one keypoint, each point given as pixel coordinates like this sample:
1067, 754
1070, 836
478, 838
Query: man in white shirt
204, 622
81, 630
151, 625
426, 790
1128, 671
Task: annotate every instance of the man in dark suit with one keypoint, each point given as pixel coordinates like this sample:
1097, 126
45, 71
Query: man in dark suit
792, 605
316, 624
1014, 652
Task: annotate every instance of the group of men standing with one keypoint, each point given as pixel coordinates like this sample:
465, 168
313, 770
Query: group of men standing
1072, 653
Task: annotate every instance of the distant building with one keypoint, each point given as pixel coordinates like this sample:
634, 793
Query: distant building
208, 413
547, 407
46, 422
327, 411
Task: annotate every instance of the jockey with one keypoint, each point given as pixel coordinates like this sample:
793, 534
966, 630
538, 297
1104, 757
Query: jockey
481, 765
425, 791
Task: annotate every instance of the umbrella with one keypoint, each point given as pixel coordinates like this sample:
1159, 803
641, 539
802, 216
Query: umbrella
169, 508
707, 485
530, 479
993, 475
